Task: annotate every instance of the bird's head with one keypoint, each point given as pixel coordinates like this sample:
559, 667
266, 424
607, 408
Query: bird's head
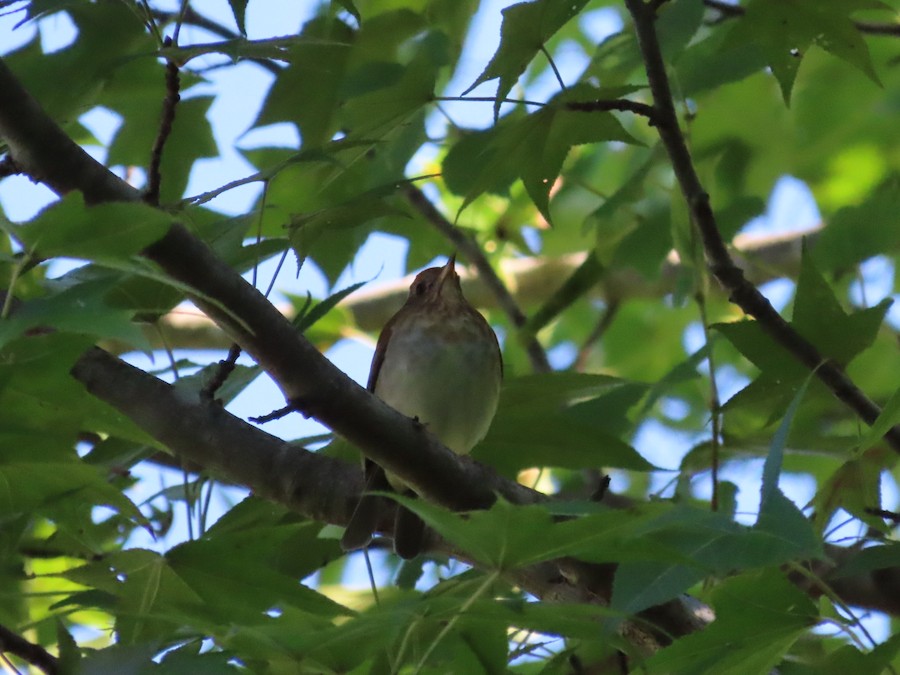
436, 285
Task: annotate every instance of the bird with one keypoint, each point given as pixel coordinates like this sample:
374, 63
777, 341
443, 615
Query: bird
438, 361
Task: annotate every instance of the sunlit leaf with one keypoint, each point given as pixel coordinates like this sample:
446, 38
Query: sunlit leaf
526, 28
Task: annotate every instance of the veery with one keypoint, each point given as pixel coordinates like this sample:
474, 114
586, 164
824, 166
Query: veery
437, 360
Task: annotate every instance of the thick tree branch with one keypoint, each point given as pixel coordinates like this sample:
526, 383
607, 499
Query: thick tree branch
532, 281
327, 489
36, 655
742, 292
309, 381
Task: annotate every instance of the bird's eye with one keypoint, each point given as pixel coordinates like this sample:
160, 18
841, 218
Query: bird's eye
421, 287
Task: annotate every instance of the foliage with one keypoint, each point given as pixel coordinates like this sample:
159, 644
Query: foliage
641, 348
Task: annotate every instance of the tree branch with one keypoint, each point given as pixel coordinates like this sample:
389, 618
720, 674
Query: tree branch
729, 10
742, 292
170, 105
622, 104
193, 17
533, 281
327, 489
30, 653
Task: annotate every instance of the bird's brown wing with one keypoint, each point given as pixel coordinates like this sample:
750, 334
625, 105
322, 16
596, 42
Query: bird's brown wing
364, 520
380, 350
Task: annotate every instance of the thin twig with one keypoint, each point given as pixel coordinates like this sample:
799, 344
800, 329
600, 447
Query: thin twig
872, 28
151, 22
603, 324
602, 105
726, 9
742, 293
276, 414
191, 16
173, 84
472, 252
883, 513
27, 651
489, 99
562, 84
204, 197
715, 404
180, 20
224, 369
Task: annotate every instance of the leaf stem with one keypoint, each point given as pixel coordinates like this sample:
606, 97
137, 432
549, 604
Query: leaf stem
562, 85
448, 626
489, 99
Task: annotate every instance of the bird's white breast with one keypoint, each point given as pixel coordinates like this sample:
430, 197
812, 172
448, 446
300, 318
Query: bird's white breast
449, 380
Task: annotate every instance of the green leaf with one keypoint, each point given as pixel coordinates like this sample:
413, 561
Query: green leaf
696, 538
351, 8
82, 309
401, 103
758, 618
106, 232
542, 421
140, 103
501, 537
305, 320
108, 33
820, 319
889, 417
883, 556
531, 148
307, 92
239, 10
37, 395
856, 233
784, 31
260, 566
307, 228
855, 487
526, 28
677, 23
775, 458
755, 345
642, 584
778, 515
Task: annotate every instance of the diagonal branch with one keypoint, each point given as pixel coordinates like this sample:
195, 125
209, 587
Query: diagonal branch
170, 105
309, 381
30, 653
742, 292
327, 489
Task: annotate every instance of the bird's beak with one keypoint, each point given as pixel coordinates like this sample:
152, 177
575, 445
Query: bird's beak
448, 271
